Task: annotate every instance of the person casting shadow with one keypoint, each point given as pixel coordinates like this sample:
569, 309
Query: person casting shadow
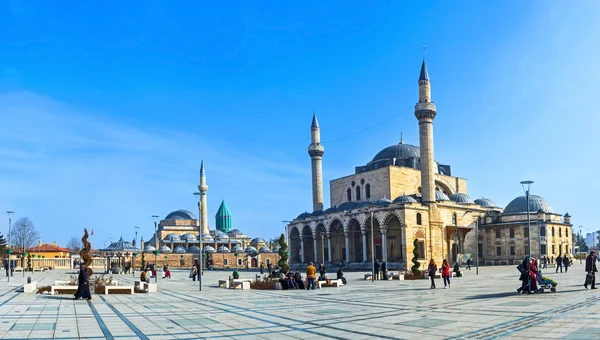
83, 289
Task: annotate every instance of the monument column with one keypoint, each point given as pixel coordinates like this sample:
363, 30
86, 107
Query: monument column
329, 247
347, 247
364, 239
315, 247
301, 250
384, 242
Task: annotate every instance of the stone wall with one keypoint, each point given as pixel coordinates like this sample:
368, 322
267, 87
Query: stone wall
228, 260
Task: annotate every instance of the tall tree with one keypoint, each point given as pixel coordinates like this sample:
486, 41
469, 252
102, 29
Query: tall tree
24, 235
283, 256
2, 244
74, 243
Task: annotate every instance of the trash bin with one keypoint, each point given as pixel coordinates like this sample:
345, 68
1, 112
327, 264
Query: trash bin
29, 279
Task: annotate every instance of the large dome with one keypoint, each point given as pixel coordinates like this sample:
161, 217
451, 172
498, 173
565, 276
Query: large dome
519, 205
398, 151
181, 215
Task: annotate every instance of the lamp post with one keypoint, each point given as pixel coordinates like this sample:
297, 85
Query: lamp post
9, 213
23, 265
580, 239
526, 187
133, 264
200, 252
156, 252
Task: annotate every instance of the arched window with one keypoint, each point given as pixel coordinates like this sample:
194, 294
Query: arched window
542, 231
349, 192
367, 191
358, 193
419, 222
454, 220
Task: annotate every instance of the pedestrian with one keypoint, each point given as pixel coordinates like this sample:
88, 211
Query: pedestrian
468, 263
432, 269
322, 272
12, 269
566, 263
559, 263
533, 275
376, 270
193, 273
591, 269
6, 266
262, 267
270, 269
525, 268
83, 289
384, 270
311, 273
446, 272
168, 272
545, 262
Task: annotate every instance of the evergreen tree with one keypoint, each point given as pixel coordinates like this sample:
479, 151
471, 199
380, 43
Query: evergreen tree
2, 244
415, 259
283, 256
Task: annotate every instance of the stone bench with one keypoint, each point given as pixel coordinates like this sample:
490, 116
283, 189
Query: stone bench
332, 283
109, 288
143, 285
30, 287
397, 276
223, 283
55, 289
241, 284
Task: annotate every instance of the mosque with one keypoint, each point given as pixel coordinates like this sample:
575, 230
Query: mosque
404, 200
177, 240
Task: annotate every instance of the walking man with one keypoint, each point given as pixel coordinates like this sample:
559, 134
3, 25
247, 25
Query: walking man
376, 270
559, 263
311, 273
469, 263
591, 269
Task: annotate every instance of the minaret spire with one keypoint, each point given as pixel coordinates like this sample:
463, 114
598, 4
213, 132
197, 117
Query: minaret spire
316, 151
203, 188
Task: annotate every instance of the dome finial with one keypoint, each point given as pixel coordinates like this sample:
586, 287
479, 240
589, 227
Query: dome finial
315, 122
401, 138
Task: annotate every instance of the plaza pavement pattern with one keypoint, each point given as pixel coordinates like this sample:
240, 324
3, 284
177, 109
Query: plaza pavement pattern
483, 306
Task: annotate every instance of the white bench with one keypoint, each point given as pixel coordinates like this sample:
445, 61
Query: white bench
30, 287
223, 283
241, 284
397, 276
109, 288
54, 289
333, 283
143, 285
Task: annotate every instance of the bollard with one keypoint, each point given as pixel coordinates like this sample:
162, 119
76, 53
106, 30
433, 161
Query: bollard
29, 279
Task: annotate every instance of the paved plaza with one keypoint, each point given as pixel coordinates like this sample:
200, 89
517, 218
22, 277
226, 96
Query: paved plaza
476, 307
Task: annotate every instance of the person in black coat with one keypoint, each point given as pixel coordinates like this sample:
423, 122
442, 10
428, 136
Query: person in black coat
591, 269
525, 268
566, 263
559, 263
384, 270
376, 270
83, 290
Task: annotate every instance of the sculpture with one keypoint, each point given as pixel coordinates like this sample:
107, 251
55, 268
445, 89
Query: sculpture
85, 253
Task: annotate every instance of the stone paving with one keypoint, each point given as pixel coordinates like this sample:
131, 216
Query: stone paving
483, 306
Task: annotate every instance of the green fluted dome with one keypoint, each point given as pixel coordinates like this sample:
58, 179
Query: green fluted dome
223, 218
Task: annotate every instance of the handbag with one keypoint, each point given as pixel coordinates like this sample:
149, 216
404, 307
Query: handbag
589, 278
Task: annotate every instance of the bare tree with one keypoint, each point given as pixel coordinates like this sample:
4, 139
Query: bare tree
24, 235
74, 243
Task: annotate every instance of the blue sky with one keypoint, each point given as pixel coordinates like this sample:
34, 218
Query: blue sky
108, 109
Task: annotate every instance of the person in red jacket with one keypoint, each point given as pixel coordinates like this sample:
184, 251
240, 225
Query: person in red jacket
446, 273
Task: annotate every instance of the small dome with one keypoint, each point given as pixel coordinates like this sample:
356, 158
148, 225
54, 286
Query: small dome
189, 237
223, 249
264, 249
172, 238
404, 199
181, 215
237, 249
249, 249
222, 238
149, 248
347, 206
486, 203
317, 213
257, 242
236, 233
214, 232
276, 249
179, 250
440, 196
384, 202
207, 238
519, 205
164, 249
303, 215
461, 198
364, 204
208, 249
194, 249
330, 210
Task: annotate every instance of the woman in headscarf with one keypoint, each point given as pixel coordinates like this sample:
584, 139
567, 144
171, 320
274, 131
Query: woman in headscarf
432, 269
83, 289
525, 268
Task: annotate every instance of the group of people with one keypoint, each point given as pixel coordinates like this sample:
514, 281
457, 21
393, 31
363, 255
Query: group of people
9, 266
377, 267
291, 280
563, 261
445, 270
529, 275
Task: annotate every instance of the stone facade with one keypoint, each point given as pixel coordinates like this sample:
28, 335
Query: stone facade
244, 261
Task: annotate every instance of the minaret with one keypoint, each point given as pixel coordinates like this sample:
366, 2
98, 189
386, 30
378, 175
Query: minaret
203, 210
425, 112
316, 151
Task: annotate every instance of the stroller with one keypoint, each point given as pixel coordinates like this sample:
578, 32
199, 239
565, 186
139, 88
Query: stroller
545, 283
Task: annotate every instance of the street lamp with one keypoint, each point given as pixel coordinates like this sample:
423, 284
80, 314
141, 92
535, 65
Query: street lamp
580, 239
156, 251
133, 265
526, 187
200, 253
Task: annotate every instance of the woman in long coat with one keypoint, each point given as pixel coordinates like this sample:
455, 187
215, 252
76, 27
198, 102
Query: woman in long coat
83, 289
